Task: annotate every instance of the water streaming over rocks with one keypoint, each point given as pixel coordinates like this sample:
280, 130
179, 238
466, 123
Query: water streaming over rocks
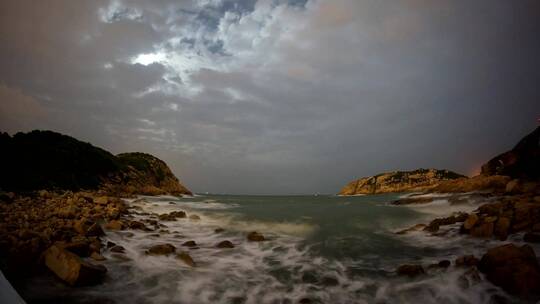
323, 249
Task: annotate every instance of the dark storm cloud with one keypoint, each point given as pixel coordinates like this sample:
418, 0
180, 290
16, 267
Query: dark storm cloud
276, 96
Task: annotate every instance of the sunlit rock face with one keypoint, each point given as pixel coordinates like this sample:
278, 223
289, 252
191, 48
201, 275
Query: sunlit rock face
399, 181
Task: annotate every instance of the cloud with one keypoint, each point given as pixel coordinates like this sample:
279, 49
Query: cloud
276, 96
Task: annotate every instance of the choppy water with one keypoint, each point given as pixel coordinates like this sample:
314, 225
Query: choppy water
326, 249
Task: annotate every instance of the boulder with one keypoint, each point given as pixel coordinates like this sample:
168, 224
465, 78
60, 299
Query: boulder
162, 249
514, 269
254, 236
118, 249
410, 270
80, 248
470, 221
194, 217
225, 244
137, 225
97, 257
466, 261
189, 244
502, 227
219, 230
483, 230
186, 258
72, 269
417, 227
114, 225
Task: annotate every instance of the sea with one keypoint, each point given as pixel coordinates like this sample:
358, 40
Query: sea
318, 249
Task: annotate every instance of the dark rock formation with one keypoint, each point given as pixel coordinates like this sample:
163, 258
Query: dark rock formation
48, 160
72, 269
399, 181
410, 270
255, 237
162, 249
515, 269
523, 161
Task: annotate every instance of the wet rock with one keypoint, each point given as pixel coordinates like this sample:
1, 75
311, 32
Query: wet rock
417, 227
410, 270
162, 249
483, 230
137, 225
172, 216
95, 230
110, 244
434, 225
254, 236
469, 278
101, 200
114, 225
189, 244
225, 244
502, 227
80, 248
118, 249
72, 269
194, 217
531, 237
514, 269
97, 257
219, 230
466, 261
305, 301
178, 214
413, 200
186, 258
444, 264
470, 221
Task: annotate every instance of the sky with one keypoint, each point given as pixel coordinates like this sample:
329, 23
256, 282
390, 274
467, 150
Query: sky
276, 97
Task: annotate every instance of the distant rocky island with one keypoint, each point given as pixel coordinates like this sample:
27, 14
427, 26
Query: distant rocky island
399, 181
47, 160
521, 165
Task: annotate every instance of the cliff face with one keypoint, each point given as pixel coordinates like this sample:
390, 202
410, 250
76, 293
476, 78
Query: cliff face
146, 174
523, 161
48, 160
399, 181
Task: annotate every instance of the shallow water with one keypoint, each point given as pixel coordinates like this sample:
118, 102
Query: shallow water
327, 249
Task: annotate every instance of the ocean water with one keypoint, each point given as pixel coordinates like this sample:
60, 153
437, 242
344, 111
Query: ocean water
319, 249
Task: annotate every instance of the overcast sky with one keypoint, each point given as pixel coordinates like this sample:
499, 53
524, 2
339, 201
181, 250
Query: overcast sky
276, 97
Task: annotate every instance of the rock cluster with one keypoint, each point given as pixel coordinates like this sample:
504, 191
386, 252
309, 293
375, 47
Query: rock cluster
509, 215
62, 226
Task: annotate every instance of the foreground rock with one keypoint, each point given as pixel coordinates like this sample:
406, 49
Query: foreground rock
399, 181
225, 244
72, 269
255, 237
515, 269
162, 249
186, 258
410, 270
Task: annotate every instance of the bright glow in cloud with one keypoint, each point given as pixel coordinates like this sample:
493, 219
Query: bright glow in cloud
146, 59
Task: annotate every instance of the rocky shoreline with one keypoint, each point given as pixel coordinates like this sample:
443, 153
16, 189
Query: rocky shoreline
516, 211
65, 233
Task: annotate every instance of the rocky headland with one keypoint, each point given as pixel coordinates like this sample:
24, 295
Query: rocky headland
399, 181
509, 186
58, 197
47, 160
